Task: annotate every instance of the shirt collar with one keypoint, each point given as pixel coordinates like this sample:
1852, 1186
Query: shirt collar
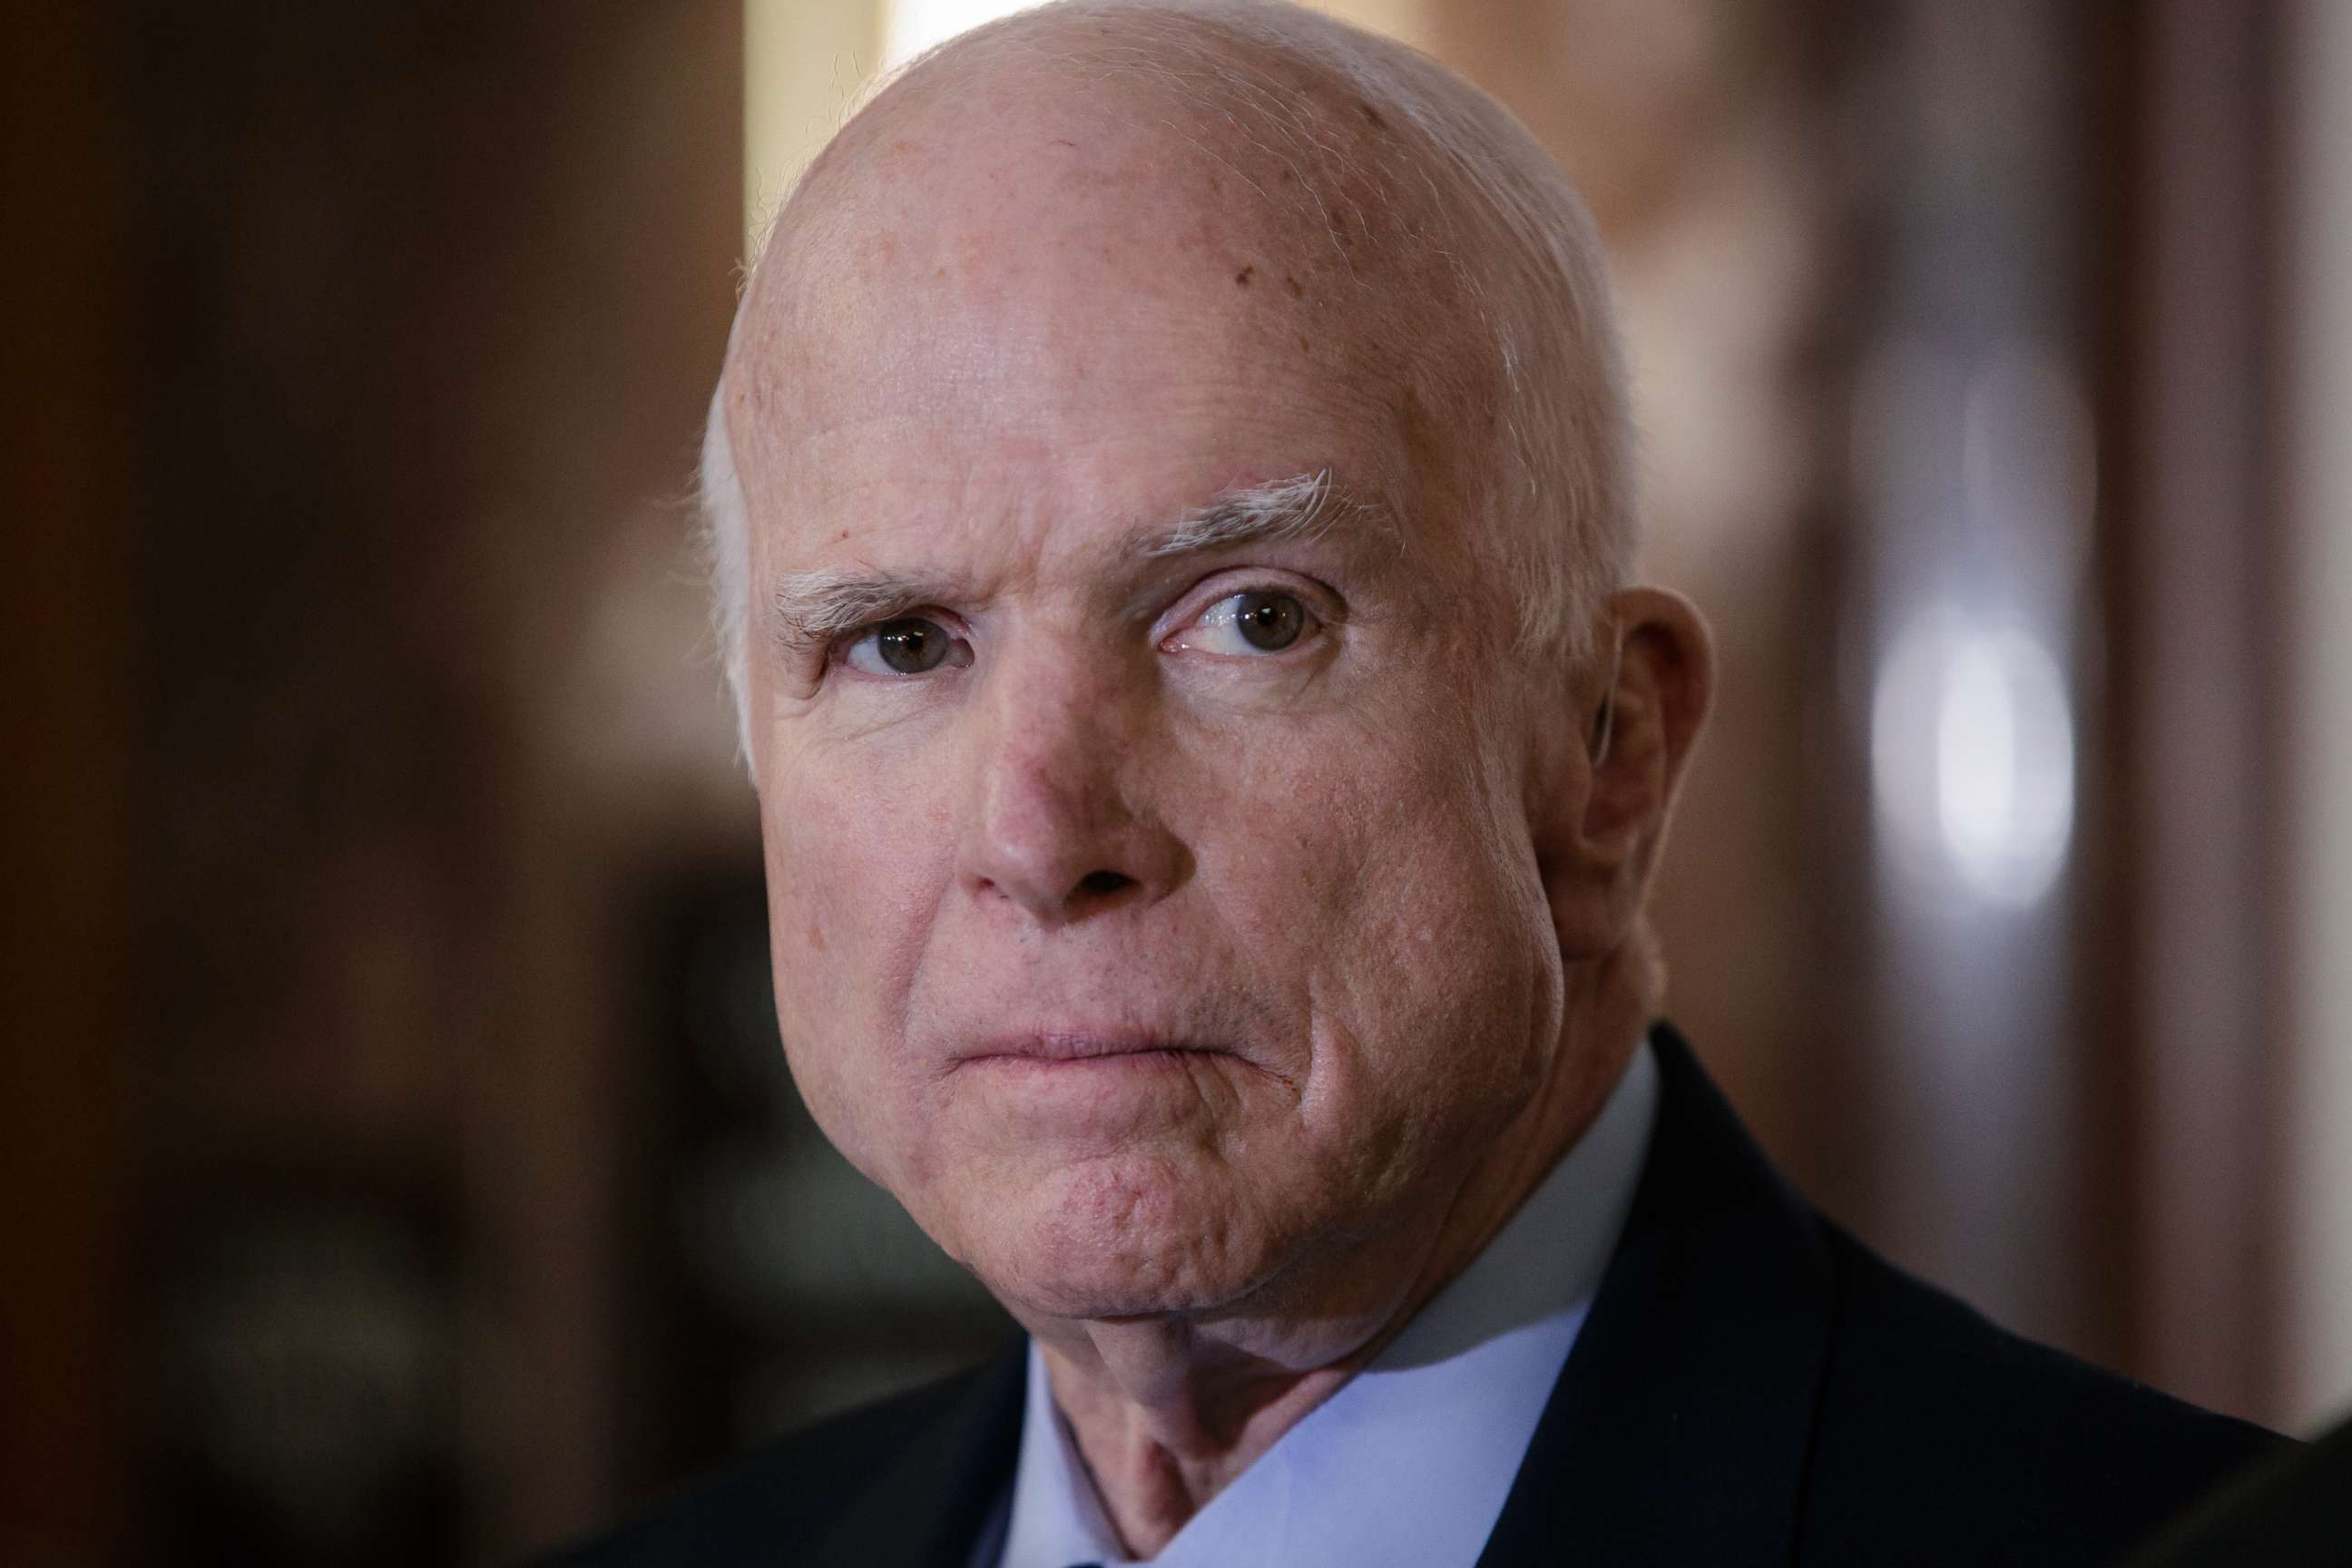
1411, 1460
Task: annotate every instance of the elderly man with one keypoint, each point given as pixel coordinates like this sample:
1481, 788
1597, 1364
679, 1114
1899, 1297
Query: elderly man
1170, 491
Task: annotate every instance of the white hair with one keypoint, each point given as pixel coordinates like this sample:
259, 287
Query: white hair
1527, 262
726, 541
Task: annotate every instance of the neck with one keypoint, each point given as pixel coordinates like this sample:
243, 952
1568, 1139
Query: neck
1167, 1410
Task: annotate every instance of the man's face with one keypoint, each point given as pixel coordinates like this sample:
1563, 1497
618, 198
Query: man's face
1148, 920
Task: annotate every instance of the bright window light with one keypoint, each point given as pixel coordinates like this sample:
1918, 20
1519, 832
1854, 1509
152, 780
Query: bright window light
1972, 753
910, 27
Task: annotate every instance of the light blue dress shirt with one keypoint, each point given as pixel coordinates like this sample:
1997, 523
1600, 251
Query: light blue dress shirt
1411, 1460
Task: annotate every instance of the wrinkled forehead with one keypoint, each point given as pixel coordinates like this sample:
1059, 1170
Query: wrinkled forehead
1031, 239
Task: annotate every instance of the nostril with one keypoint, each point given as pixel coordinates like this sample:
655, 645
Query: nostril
1103, 884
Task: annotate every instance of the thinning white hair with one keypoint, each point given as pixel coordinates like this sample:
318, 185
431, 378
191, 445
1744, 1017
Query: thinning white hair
1559, 478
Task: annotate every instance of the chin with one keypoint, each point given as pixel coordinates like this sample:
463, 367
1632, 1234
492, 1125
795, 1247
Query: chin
1107, 1245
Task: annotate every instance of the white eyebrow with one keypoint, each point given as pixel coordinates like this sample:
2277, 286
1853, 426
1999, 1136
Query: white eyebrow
810, 609
1305, 507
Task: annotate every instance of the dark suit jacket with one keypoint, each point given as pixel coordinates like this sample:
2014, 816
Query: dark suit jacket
2292, 1510
1752, 1385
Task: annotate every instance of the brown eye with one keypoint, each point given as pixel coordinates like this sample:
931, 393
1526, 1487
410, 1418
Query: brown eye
1247, 624
1268, 622
911, 644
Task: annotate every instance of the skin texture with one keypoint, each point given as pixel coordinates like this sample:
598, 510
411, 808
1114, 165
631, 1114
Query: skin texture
1213, 1006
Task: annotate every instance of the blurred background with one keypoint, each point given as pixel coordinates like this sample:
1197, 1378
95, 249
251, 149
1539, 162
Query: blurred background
400, 1166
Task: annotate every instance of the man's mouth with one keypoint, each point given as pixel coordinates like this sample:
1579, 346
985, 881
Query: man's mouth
1067, 1047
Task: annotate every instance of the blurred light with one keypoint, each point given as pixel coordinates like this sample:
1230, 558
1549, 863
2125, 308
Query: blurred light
910, 27
1972, 759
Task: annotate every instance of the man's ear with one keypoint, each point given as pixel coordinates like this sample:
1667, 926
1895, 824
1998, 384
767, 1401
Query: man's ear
1640, 708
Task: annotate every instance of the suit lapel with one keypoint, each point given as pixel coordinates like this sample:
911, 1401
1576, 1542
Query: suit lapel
926, 1506
1678, 1431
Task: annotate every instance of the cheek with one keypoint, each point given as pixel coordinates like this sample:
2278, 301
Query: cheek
1401, 887
1396, 825
854, 867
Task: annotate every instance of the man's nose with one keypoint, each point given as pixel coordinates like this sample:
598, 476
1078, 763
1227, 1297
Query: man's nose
1053, 830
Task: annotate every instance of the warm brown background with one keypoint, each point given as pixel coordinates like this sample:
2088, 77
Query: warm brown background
399, 1167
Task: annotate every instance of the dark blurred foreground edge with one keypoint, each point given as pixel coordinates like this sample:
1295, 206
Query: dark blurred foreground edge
2293, 1510
1752, 1386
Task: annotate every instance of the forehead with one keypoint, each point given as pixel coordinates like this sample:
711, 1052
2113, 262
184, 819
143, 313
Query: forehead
1084, 305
